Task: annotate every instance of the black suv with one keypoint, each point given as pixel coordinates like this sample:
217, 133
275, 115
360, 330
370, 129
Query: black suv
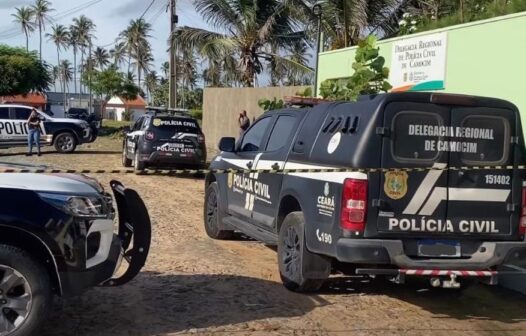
379, 219
65, 244
164, 139
64, 134
92, 119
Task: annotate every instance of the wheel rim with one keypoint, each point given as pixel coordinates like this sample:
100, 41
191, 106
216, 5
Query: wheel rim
211, 210
65, 142
291, 253
15, 299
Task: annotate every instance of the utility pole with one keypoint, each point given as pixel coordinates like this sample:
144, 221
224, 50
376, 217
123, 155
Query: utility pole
173, 56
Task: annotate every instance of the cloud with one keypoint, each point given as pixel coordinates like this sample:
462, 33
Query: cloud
7, 4
131, 7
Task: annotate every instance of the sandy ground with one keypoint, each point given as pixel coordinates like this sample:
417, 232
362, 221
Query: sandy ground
194, 285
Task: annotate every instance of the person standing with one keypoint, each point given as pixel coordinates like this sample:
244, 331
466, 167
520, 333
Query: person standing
244, 123
33, 125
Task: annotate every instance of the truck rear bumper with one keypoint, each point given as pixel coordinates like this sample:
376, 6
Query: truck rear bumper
391, 252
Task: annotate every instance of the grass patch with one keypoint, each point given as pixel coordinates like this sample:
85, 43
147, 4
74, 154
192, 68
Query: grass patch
113, 128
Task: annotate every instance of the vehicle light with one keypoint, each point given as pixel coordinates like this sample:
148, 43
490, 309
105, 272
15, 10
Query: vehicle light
79, 206
149, 135
201, 138
522, 222
354, 205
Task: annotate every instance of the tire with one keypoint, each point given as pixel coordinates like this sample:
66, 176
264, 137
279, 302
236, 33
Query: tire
30, 286
65, 142
125, 161
299, 269
212, 215
137, 163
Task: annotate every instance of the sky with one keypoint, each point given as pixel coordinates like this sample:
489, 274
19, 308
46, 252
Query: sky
110, 17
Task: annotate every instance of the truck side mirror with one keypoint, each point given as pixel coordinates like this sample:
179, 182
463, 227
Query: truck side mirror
227, 144
126, 129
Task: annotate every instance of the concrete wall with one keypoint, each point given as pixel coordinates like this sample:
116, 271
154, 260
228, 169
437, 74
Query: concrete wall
221, 108
484, 58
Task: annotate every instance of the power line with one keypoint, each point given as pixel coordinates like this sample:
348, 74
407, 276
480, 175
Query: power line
147, 9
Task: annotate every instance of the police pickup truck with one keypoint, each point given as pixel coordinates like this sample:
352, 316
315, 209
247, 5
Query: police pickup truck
428, 220
64, 134
57, 238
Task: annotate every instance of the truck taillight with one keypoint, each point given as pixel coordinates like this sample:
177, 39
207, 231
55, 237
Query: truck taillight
149, 135
522, 222
354, 205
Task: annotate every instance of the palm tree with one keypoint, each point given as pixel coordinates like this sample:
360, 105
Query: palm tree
143, 61
59, 36
118, 54
84, 28
165, 68
55, 75
65, 74
247, 30
41, 10
74, 42
24, 17
151, 81
135, 37
102, 58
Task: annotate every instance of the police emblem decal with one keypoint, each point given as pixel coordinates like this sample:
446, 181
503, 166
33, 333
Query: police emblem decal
156, 122
395, 185
334, 143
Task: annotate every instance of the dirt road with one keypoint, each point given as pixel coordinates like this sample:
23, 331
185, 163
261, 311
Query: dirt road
192, 284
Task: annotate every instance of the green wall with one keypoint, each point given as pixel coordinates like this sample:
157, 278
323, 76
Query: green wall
485, 58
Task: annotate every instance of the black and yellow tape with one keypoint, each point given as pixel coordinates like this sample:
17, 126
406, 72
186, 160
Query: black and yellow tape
250, 171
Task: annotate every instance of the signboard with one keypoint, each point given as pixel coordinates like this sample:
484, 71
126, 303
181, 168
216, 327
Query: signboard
419, 63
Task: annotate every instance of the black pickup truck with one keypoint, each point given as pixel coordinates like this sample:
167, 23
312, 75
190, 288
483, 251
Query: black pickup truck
57, 238
443, 218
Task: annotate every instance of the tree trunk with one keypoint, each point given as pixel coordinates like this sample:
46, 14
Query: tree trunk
58, 65
27, 39
75, 67
40, 32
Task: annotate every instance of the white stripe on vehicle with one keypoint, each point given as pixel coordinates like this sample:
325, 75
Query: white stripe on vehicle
424, 189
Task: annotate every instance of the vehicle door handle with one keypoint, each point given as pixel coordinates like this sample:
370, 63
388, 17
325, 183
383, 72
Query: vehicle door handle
275, 166
249, 165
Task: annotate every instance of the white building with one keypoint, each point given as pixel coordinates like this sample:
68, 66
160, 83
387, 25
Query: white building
117, 106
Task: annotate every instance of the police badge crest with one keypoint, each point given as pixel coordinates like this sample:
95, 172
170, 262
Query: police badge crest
395, 185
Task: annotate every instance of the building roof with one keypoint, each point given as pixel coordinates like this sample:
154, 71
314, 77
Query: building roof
138, 102
28, 99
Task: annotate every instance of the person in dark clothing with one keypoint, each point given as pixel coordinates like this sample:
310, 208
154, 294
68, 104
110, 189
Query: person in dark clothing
33, 135
244, 123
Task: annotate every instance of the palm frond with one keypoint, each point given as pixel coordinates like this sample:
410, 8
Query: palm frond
218, 13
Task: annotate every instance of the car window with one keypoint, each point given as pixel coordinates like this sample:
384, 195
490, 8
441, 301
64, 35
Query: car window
145, 123
4, 113
138, 124
254, 135
167, 127
281, 132
22, 113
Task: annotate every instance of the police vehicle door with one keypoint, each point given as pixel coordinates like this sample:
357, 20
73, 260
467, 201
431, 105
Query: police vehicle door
267, 187
480, 201
410, 202
241, 186
134, 135
6, 137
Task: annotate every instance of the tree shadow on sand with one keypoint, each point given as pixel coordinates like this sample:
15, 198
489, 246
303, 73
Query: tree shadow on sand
156, 304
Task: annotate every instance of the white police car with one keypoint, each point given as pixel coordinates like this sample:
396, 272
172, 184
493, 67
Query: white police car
64, 134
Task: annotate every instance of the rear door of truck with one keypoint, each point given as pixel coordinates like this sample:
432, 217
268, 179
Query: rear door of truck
174, 137
480, 201
403, 194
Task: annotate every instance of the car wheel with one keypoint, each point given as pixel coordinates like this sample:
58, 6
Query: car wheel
138, 164
125, 161
212, 215
25, 292
65, 142
300, 270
